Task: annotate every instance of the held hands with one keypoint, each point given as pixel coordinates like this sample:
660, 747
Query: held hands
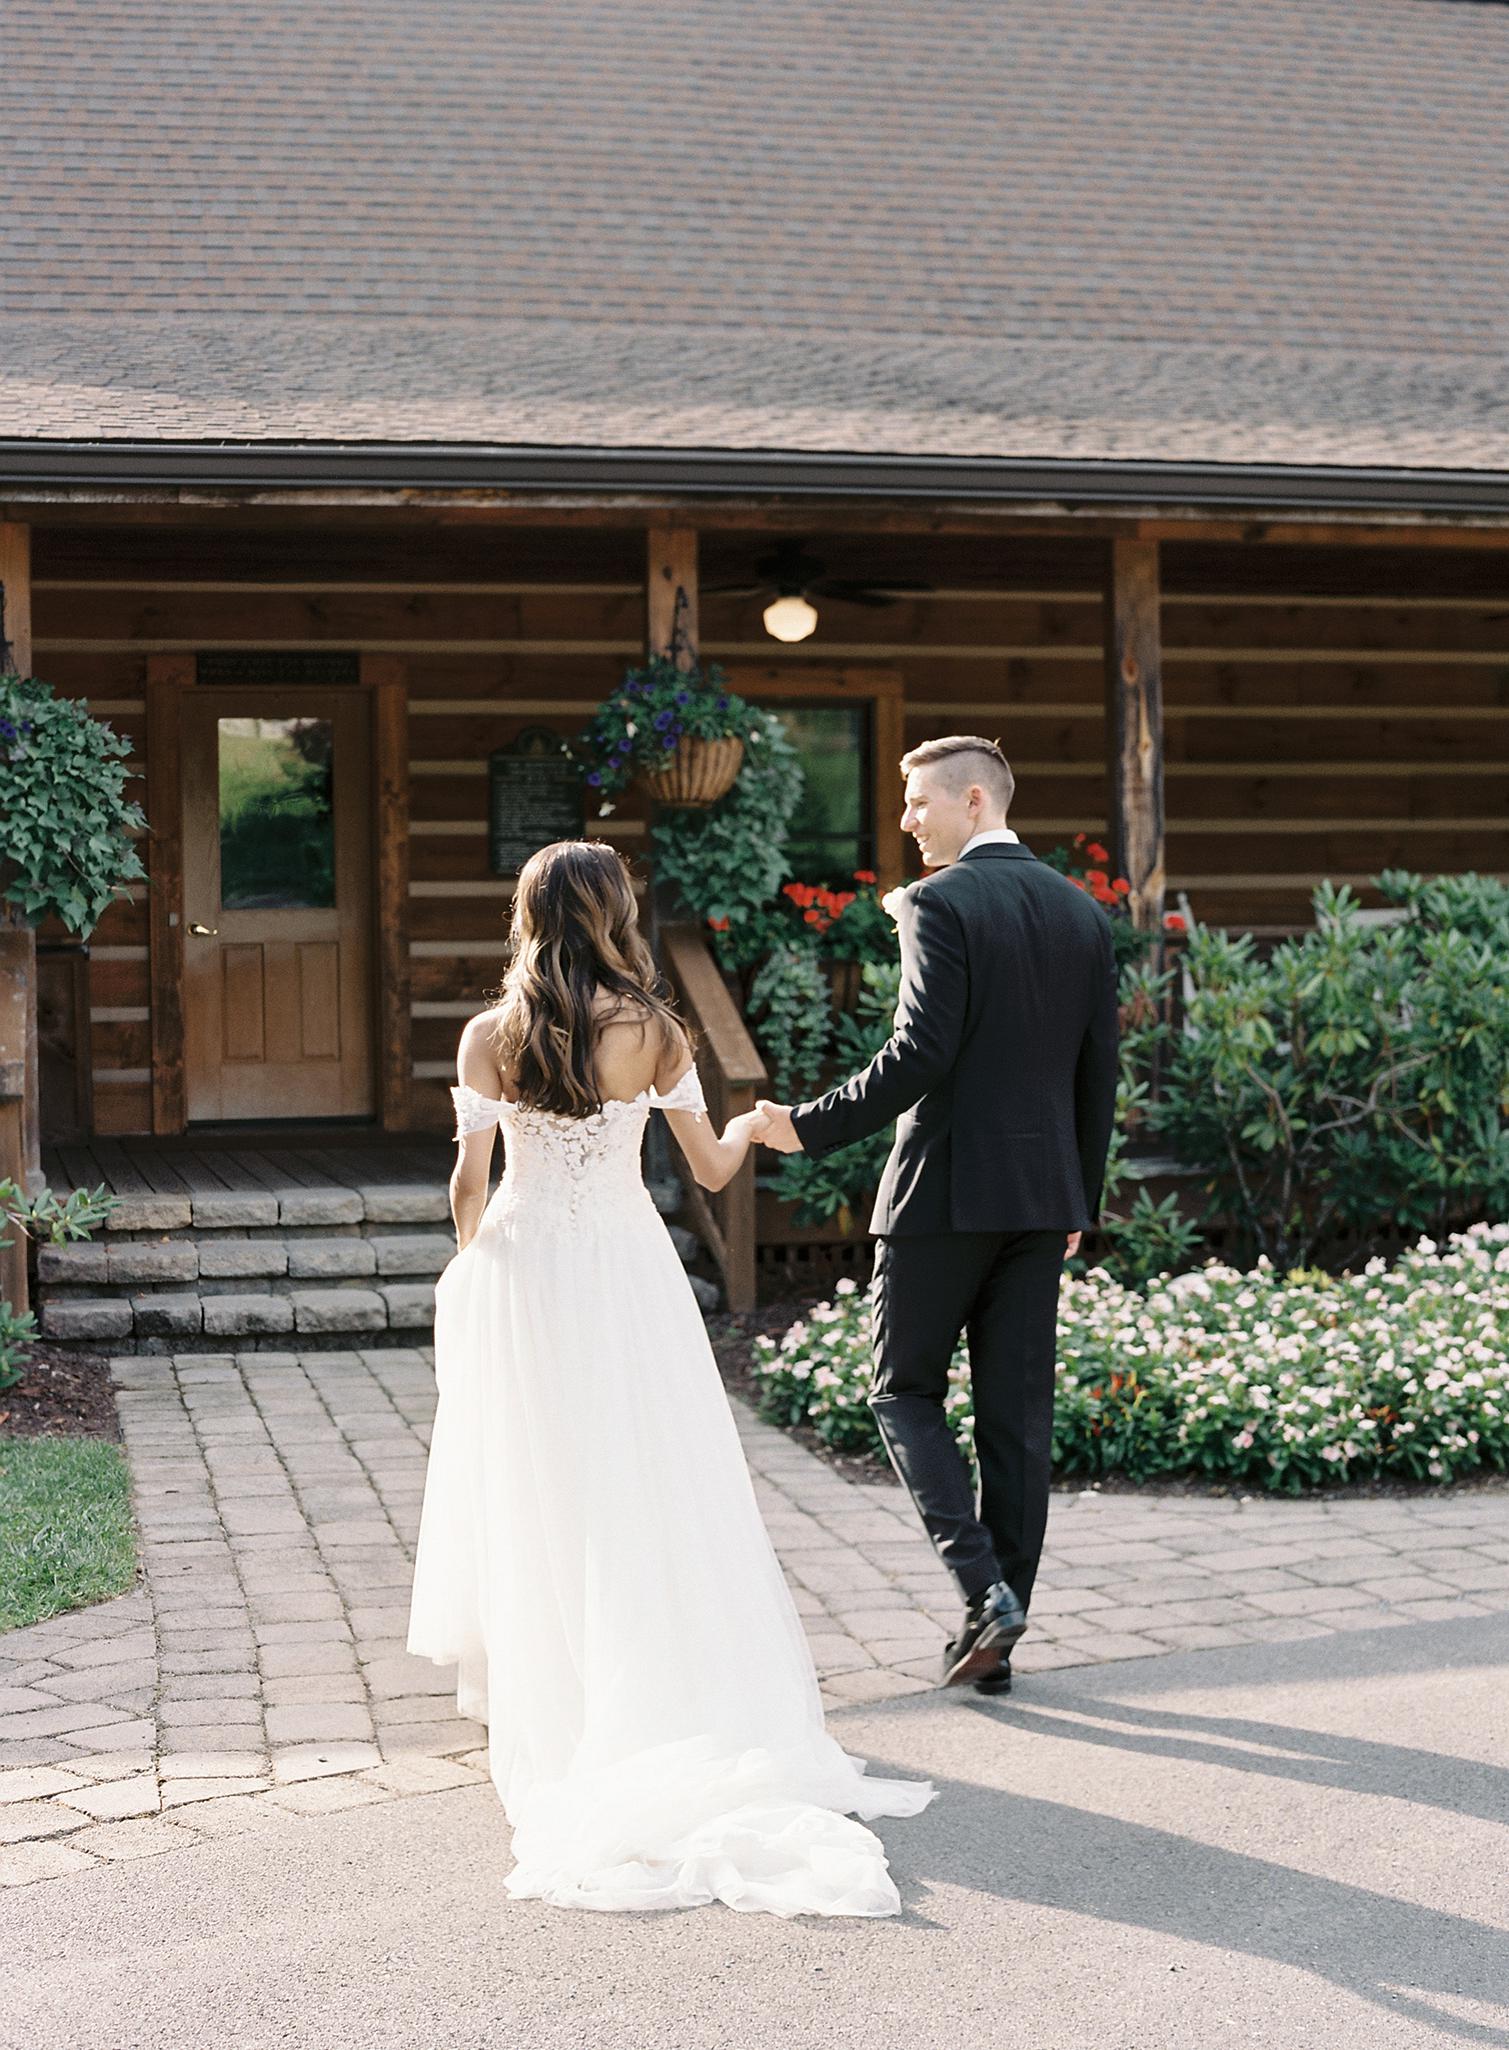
749, 1126
779, 1134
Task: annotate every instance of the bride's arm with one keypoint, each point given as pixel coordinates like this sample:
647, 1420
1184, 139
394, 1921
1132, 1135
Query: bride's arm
469, 1177
713, 1160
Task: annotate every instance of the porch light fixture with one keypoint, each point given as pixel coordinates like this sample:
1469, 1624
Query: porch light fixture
789, 617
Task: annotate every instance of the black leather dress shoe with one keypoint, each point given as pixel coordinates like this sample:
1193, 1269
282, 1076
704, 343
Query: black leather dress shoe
998, 1682
993, 1621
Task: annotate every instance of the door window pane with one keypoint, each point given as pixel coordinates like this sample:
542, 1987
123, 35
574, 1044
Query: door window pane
831, 832
277, 823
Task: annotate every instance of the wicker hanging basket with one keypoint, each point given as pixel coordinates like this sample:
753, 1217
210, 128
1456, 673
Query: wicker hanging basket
698, 773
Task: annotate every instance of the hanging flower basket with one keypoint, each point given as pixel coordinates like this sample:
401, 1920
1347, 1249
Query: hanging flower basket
678, 733
697, 773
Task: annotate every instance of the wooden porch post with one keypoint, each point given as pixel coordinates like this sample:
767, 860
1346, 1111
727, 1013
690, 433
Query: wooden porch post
1134, 726
20, 1131
168, 677
671, 594
385, 677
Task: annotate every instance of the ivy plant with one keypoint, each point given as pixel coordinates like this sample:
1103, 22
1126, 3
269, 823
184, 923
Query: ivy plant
65, 824
727, 861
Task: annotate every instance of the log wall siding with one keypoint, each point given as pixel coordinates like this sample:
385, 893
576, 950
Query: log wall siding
1328, 712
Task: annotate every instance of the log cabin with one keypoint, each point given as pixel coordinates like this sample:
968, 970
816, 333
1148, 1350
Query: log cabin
1124, 383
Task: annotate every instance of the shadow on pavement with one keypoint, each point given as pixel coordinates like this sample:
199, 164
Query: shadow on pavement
1401, 1956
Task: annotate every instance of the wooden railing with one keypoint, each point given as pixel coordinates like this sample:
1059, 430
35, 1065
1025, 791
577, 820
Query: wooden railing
733, 1075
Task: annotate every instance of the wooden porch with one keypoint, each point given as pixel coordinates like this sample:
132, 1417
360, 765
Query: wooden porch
165, 1180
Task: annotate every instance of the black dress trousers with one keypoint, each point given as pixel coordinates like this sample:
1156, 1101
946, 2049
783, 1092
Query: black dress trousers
1001, 1290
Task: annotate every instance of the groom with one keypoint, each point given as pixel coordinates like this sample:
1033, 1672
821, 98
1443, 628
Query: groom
1001, 1075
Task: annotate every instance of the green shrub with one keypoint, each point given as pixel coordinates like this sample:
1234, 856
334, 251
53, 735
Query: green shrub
78, 1214
18, 1334
1274, 1381
1352, 1089
840, 1184
65, 828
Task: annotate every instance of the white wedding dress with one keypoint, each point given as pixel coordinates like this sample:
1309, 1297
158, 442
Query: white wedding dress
592, 1558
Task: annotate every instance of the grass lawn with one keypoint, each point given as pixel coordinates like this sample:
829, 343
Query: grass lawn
66, 1531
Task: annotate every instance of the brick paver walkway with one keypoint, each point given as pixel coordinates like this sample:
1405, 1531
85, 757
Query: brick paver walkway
260, 1675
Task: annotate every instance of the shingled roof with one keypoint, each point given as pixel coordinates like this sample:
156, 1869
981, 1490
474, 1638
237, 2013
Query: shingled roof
1220, 231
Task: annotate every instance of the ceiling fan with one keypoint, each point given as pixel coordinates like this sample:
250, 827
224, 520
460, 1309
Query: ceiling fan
794, 578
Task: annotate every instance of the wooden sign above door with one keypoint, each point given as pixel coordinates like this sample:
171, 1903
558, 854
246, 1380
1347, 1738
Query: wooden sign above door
263, 665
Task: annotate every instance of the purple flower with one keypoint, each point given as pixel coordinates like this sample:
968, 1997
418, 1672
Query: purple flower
7, 730
723, 704
624, 746
683, 697
593, 777
662, 720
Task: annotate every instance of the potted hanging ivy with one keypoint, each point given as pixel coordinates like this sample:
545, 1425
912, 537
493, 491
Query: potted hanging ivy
680, 733
66, 850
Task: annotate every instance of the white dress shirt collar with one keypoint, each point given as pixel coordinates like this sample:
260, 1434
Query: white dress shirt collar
991, 836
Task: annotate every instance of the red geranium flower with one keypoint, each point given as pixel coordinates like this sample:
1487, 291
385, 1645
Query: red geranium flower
1172, 922
1096, 878
1096, 852
864, 875
1122, 887
718, 924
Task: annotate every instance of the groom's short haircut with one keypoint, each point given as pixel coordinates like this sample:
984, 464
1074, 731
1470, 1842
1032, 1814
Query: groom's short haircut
967, 759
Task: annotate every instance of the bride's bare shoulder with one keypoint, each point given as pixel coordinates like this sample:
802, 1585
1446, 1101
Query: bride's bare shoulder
477, 1056
675, 1053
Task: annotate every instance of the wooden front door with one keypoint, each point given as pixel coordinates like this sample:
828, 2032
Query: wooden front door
277, 897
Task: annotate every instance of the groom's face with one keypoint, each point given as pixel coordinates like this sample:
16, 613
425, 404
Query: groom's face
940, 819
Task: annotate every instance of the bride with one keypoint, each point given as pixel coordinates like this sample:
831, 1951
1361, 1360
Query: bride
591, 1556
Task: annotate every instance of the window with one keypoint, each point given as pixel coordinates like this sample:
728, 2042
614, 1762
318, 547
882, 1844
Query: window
832, 832
277, 821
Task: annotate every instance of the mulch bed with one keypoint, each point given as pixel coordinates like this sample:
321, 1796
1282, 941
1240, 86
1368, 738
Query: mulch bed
61, 1393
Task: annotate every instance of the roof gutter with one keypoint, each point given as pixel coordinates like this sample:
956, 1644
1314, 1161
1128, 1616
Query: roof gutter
723, 473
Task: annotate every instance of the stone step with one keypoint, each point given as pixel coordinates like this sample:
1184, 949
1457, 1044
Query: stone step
260, 1209
256, 1268
391, 1312
108, 1267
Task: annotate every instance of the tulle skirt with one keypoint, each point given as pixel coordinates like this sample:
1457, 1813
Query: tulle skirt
592, 1559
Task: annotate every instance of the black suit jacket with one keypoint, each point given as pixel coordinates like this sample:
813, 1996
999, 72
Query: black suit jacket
1001, 1071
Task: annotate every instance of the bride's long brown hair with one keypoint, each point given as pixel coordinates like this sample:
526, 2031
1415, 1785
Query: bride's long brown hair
575, 931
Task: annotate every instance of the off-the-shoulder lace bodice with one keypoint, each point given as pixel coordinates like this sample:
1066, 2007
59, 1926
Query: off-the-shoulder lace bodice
474, 1111
560, 1169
